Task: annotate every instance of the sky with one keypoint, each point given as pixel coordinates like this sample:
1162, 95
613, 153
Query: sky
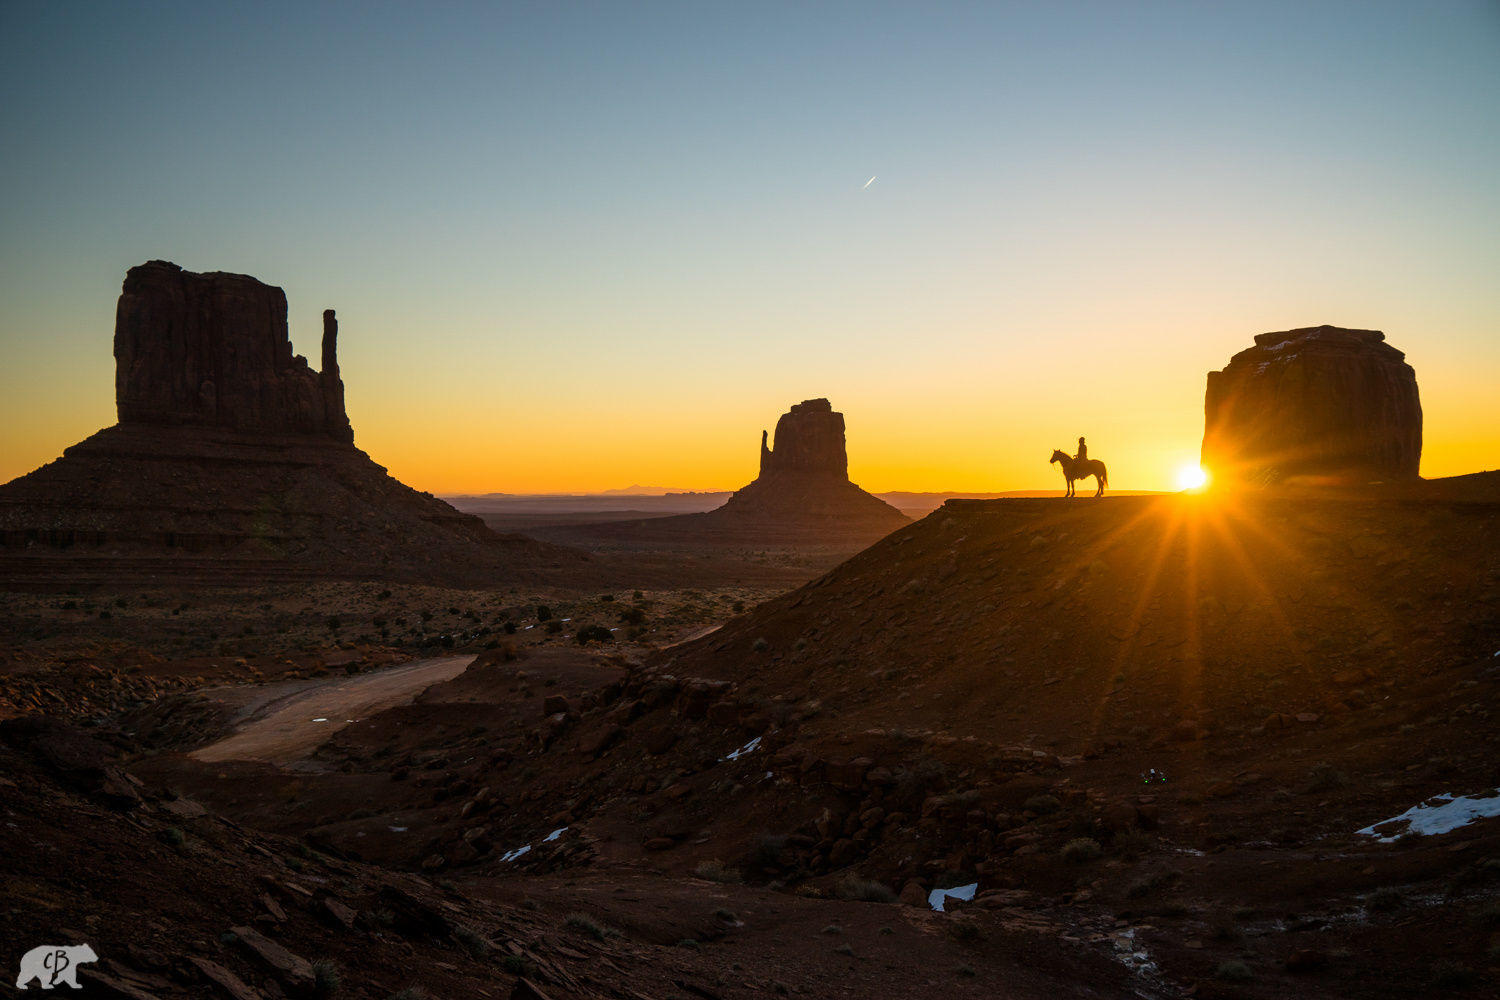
579, 246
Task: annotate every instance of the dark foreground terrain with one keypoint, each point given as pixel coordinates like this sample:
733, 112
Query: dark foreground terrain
1148, 732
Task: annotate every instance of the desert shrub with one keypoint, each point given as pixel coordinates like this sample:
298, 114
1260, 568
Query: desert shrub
326, 978
543, 613
1324, 778
594, 633
714, 871
1081, 849
760, 645
554, 626
690, 944
632, 616
510, 628
833, 929
1387, 899
967, 971
868, 890
471, 941
172, 836
845, 949
1233, 971
964, 931
1222, 925
516, 965
584, 924
1042, 805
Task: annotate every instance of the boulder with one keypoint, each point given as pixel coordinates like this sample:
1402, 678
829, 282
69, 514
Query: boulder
1321, 402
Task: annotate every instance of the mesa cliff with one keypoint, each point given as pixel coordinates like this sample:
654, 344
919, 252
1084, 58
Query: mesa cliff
1323, 402
213, 350
804, 484
801, 500
234, 462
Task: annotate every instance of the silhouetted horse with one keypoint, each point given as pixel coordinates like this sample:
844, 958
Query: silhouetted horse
1072, 469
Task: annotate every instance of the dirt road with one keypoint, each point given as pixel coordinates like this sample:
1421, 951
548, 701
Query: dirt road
280, 723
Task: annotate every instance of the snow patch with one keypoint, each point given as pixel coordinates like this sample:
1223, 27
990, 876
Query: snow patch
1131, 953
962, 893
750, 747
526, 848
1439, 814
398, 829
320, 720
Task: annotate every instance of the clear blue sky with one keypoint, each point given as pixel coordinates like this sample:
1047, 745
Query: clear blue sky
575, 246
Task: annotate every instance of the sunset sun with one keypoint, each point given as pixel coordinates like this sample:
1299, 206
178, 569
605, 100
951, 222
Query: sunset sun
1191, 477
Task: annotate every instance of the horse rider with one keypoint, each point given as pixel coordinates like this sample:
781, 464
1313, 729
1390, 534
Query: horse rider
1083, 453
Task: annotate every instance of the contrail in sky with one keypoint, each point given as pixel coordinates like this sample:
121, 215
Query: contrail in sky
869, 182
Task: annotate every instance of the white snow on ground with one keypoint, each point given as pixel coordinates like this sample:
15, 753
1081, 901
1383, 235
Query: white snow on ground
320, 720
1438, 814
513, 855
747, 748
963, 893
1131, 953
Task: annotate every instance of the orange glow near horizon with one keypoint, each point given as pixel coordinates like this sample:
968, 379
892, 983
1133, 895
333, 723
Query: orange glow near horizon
574, 253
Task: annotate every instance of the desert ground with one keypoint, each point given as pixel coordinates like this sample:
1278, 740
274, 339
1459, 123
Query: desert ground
1149, 741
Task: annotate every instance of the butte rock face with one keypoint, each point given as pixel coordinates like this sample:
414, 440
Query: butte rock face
233, 462
1320, 402
212, 350
802, 500
803, 487
809, 439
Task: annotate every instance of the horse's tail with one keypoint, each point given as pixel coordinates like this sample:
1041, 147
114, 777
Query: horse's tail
1103, 474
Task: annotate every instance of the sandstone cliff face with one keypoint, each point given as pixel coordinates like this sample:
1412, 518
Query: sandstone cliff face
213, 350
809, 438
804, 483
233, 464
1319, 401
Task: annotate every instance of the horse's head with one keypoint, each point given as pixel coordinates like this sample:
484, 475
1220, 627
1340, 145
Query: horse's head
1058, 456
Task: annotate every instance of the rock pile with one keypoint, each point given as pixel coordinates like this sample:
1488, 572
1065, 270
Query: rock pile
1321, 402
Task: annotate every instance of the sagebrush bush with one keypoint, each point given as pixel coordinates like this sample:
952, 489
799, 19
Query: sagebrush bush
1081, 849
715, 871
868, 890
